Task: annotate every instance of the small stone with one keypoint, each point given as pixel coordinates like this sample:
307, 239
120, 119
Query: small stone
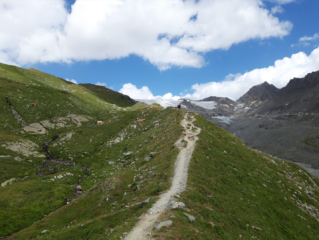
44, 231
190, 217
144, 203
152, 154
7, 182
164, 224
128, 154
147, 159
111, 162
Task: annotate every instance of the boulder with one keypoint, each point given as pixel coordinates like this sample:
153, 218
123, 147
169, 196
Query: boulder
46, 124
175, 205
164, 224
35, 128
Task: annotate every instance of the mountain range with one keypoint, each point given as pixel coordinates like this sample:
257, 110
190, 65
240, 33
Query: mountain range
282, 122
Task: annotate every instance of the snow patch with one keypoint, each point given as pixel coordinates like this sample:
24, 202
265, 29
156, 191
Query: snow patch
208, 105
224, 119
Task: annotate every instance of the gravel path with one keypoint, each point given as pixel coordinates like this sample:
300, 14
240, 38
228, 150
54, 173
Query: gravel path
143, 228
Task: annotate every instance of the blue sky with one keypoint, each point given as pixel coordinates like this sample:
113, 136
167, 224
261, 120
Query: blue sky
156, 49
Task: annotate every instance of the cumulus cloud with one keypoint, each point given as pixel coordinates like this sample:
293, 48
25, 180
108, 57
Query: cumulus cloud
236, 85
72, 81
281, 1
165, 33
144, 93
277, 9
305, 41
306, 38
101, 84
283, 70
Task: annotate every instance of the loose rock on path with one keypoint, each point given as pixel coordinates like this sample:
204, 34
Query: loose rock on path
144, 227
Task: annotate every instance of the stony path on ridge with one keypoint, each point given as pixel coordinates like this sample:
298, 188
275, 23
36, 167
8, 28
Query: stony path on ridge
147, 221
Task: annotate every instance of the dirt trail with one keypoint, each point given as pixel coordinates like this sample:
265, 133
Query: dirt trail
144, 227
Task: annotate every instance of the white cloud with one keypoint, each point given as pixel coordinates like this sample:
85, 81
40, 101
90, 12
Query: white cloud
236, 85
144, 93
72, 80
306, 38
283, 70
280, 1
277, 9
158, 31
101, 84
135, 93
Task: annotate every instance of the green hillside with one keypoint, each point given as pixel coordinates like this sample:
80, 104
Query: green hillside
63, 175
109, 95
236, 192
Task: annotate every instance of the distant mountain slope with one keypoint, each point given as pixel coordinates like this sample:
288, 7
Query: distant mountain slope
262, 92
109, 95
298, 100
283, 122
220, 100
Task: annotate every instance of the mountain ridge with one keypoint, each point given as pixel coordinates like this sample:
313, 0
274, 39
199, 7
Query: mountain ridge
271, 119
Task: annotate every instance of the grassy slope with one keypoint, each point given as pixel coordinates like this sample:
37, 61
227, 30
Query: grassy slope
110, 207
109, 95
232, 188
31, 196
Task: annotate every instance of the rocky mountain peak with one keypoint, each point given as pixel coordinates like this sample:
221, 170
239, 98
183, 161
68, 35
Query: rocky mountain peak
296, 84
221, 100
261, 92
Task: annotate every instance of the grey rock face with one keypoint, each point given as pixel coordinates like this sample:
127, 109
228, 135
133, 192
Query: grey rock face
164, 224
25, 148
280, 122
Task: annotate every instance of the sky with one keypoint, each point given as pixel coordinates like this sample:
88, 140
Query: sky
164, 49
